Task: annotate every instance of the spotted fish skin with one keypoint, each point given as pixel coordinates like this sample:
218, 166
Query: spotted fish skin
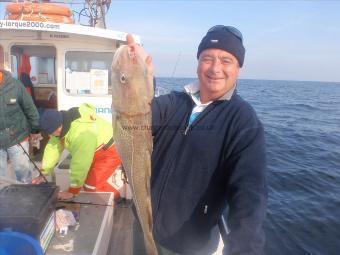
132, 92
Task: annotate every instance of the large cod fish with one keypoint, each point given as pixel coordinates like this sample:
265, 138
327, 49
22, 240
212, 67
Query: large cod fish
132, 92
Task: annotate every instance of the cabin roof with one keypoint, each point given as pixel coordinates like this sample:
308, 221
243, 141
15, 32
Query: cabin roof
14, 25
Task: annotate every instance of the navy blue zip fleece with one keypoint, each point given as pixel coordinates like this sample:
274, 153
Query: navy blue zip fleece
197, 172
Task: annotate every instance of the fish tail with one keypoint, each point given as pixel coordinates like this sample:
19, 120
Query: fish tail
150, 246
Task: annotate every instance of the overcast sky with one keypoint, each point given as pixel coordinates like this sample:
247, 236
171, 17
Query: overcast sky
284, 40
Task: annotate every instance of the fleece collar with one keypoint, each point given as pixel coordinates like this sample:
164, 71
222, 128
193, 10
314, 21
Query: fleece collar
193, 90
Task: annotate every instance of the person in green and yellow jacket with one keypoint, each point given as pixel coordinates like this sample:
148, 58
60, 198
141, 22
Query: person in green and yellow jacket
89, 140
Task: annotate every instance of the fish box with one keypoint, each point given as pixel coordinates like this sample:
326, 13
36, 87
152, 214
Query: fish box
29, 209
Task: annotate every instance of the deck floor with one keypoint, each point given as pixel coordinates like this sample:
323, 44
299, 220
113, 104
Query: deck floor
126, 236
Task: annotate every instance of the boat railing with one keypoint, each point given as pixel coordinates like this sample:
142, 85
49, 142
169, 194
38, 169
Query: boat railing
159, 90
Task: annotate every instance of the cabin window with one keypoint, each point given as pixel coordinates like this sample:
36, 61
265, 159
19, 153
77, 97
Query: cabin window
43, 69
88, 72
36, 60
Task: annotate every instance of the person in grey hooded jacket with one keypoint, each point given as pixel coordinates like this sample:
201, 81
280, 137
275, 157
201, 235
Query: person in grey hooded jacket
19, 120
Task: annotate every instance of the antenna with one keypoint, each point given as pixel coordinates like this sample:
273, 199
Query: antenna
94, 11
177, 61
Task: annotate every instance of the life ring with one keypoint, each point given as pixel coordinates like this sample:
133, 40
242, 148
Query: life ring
42, 17
43, 8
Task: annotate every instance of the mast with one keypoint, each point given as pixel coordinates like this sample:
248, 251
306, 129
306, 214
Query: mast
100, 12
95, 11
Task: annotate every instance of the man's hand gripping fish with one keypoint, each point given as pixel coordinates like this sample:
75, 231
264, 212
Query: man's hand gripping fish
132, 92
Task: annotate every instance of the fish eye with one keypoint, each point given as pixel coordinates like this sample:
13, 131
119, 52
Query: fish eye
123, 78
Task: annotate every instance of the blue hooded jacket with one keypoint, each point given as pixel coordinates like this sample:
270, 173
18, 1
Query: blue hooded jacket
197, 172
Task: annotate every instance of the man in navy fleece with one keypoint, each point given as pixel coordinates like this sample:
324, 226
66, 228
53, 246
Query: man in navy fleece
209, 155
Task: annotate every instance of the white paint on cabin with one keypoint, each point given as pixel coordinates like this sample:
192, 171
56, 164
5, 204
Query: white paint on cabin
71, 61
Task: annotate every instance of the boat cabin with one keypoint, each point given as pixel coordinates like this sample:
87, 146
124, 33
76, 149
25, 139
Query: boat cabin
68, 64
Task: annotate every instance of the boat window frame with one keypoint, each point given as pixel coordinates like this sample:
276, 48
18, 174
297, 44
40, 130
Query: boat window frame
15, 73
2, 57
69, 93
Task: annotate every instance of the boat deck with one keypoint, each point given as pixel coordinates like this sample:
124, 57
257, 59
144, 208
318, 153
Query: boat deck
126, 236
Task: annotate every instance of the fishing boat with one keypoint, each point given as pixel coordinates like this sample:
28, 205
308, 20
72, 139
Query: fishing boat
69, 64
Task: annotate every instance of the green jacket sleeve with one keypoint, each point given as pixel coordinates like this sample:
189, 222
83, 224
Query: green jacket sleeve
52, 153
82, 150
29, 109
